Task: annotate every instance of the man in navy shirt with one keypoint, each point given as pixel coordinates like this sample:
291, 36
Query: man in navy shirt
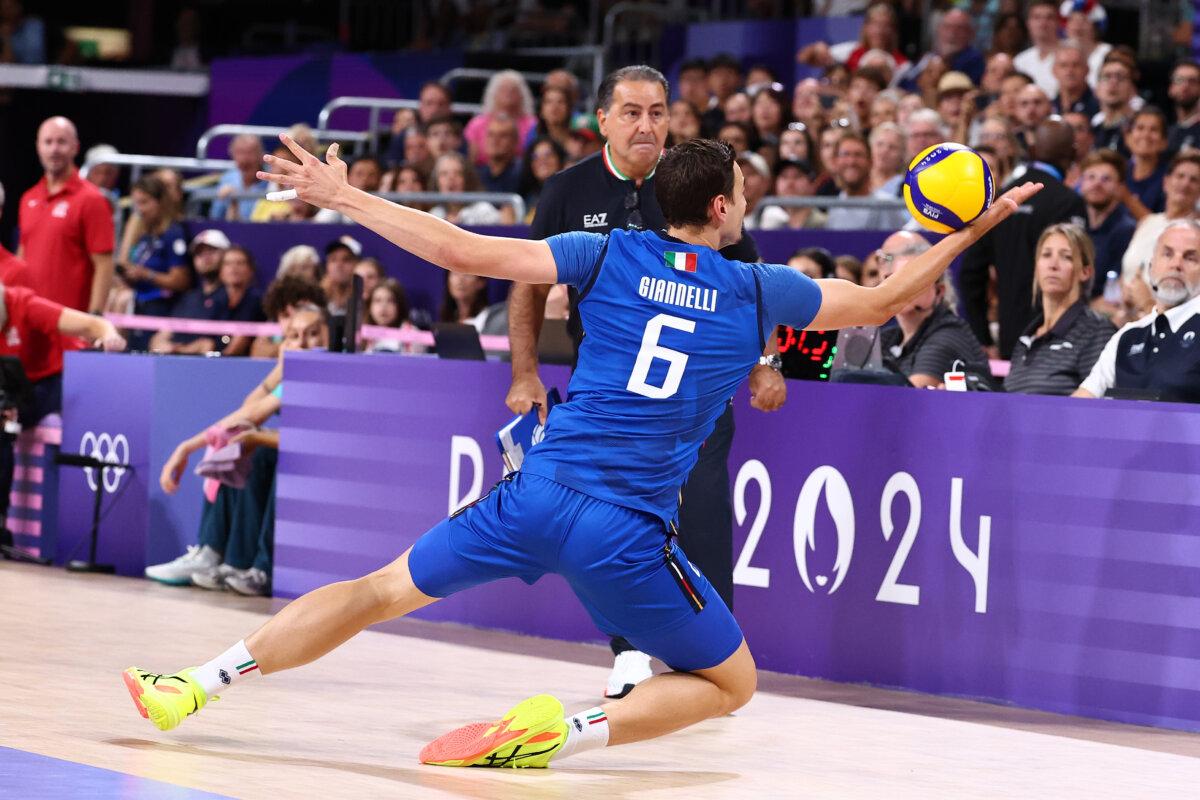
1109, 223
673, 330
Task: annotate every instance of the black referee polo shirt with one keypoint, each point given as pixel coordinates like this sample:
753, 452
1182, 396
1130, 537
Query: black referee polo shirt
1058, 361
594, 196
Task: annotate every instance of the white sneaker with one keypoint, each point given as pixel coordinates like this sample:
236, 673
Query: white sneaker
213, 578
629, 669
179, 572
251, 582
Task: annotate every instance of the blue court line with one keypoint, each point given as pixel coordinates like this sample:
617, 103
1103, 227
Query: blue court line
29, 776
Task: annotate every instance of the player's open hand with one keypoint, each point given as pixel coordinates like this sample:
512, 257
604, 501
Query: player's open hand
316, 182
1005, 206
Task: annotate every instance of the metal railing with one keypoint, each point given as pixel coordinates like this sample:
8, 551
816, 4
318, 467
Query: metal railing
377, 104
594, 53
818, 201
650, 51
475, 73
205, 195
322, 134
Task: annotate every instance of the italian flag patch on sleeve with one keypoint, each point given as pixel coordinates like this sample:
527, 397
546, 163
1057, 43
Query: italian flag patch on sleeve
681, 261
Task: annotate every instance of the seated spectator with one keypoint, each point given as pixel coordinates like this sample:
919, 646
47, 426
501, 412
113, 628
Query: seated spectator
806, 104
1081, 127
1006, 105
1071, 72
203, 301
1008, 35
815, 262
1109, 223
1033, 108
758, 77
1085, 21
265, 210
684, 124
1182, 189
929, 338
796, 144
884, 108
565, 81
1041, 19
792, 179
434, 103
865, 86
416, 148
880, 31
103, 176
506, 93
585, 138
408, 179
442, 135
724, 78
341, 257
737, 135
235, 544
451, 174
301, 260
372, 273
925, 128
1184, 92
692, 85
22, 36
1060, 346
544, 158
756, 177
285, 295
387, 306
246, 151
999, 167
737, 109
1156, 356
888, 145
952, 50
366, 173
853, 167
242, 301
768, 115
554, 118
956, 103
464, 300
999, 66
849, 268
157, 264
1116, 92
1146, 141
501, 171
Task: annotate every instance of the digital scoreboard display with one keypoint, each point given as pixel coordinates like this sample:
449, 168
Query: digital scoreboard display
806, 355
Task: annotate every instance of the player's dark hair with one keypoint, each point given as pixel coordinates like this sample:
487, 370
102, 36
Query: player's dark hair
291, 290
636, 72
690, 175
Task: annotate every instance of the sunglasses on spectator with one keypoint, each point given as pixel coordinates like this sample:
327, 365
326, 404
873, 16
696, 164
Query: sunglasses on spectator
632, 201
884, 257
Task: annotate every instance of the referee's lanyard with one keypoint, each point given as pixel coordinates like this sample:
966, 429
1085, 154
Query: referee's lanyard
633, 199
1044, 167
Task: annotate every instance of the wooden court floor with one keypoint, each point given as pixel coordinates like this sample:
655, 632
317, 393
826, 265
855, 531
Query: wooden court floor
352, 724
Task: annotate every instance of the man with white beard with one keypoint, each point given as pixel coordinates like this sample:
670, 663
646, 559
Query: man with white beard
1158, 357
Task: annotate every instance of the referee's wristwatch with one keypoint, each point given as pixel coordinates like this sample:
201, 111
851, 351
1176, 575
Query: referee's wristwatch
774, 361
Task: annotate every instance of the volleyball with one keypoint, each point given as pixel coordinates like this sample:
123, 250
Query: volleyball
947, 186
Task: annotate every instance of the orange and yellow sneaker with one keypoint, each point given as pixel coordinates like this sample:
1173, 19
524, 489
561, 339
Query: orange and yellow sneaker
527, 736
164, 699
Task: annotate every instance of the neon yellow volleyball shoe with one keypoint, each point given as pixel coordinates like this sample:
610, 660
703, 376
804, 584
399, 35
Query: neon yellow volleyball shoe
527, 736
164, 699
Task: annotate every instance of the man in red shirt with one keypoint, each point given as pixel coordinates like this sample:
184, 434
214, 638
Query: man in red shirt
66, 226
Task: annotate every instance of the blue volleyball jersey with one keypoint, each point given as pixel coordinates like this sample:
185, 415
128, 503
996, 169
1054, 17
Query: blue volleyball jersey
671, 329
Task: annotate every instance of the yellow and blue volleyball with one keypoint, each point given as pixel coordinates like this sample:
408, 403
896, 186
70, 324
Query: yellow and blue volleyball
947, 186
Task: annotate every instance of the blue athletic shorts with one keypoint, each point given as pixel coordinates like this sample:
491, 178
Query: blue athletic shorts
633, 580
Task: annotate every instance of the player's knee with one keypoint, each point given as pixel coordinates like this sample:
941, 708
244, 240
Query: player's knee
741, 689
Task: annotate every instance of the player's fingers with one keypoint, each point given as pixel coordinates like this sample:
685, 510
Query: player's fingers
298, 151
283, 164
332, 155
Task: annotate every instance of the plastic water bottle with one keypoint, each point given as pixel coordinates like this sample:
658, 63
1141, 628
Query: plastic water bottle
1112, 288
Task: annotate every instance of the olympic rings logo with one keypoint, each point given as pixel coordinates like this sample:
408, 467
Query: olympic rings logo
109, 449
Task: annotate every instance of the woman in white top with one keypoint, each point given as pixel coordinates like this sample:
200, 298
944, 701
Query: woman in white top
452, 173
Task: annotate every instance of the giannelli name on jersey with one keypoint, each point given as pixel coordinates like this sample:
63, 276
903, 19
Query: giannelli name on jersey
679, 294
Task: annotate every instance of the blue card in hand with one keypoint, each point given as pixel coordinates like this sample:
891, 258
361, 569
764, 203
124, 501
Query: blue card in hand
517, 437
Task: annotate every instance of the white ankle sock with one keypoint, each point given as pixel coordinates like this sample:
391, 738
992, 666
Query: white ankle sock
587, 730
220, 673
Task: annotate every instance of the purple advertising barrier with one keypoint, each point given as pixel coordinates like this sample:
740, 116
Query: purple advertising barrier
1038, 551
136, 409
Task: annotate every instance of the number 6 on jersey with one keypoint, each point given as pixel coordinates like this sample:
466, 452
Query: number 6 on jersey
651, 349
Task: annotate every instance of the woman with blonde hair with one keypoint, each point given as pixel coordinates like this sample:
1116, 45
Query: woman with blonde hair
302, 260
506, 93
1062, 343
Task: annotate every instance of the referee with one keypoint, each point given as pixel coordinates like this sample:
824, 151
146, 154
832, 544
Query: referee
615, 189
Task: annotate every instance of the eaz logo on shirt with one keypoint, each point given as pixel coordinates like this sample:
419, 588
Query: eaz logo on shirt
595, 220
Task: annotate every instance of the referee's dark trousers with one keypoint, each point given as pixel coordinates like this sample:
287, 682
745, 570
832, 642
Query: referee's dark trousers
706, 515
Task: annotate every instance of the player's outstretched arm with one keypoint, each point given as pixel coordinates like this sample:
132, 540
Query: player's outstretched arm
844, 304
424, 235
